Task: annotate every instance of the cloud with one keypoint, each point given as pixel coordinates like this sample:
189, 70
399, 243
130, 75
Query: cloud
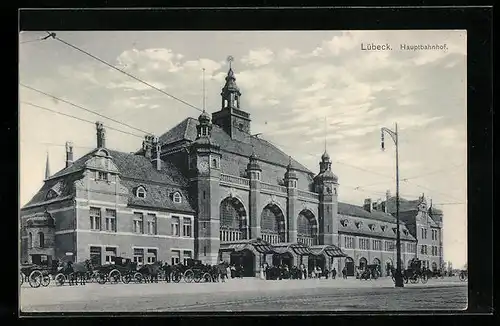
260, 57
289, 86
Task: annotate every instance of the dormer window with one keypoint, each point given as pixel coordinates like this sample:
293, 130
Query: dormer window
344, 222
51, 194
102, 176
140, 192
395, 230
383, 227
177, 198
405, 232
372, 227
358, 224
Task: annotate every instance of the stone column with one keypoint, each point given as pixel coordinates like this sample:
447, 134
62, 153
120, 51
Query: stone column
292, 214
253, 207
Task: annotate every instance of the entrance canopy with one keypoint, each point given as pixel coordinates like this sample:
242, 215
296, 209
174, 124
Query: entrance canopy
258, 245
298, 248
329, 250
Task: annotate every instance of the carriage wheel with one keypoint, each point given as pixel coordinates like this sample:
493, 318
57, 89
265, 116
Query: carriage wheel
102, 278
207, 277
21, 278
188, 276
176, 277
60, 279
462, 277
138, 278
424, 278
126, 278
45, 280
35, 279
114, 276
413, 280
198, 276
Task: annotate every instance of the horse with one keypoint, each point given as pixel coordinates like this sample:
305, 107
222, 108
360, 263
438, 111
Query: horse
76, 271
151, 271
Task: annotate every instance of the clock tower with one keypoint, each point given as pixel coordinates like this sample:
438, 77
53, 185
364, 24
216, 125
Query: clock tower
231, 118
204, 164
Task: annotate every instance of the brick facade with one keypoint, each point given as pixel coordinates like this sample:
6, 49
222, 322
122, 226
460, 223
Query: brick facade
204, 165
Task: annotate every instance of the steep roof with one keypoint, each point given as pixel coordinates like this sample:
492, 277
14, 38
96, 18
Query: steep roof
64, 187
135, 170
140, 168
157, 196
186, 131
356, 214
358, 211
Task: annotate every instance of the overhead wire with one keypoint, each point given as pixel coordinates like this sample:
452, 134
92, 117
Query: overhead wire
124, 72
78, 118
53, 35
82, 108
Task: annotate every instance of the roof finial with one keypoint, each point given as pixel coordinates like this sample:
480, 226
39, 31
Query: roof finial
325, 133
203, 89
230, 59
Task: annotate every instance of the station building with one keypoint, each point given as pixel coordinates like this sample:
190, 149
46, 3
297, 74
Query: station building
207, 189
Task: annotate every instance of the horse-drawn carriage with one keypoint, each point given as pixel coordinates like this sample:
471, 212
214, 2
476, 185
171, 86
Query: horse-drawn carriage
197, 271
415, 273
370, 272
120, 269
463, 275
35, 275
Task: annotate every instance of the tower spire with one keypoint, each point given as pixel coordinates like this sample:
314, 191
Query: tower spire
230, 59
203, 89
47, 167
325, 134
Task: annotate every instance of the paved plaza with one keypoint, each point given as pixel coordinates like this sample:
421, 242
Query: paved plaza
248, 295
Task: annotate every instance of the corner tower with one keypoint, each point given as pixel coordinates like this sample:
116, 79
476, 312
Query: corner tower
204, 164
234, 121
326, 184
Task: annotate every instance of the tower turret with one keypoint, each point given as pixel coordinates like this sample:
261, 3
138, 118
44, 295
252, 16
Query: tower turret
326, 185
204, 157
234, 121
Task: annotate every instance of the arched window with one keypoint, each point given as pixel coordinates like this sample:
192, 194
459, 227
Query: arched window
233, 223
41, 240
214, 163
30, 240
177, 198
140, 192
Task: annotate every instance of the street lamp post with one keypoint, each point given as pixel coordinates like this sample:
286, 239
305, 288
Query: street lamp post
394, 135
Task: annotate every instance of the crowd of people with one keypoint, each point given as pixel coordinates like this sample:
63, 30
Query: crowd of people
283, 271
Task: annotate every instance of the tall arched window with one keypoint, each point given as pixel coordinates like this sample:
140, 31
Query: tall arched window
30, 240
41, 239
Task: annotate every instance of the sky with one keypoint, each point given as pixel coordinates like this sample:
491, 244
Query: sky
302, 89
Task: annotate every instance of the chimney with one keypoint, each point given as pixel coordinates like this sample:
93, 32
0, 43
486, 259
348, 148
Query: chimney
69, 154
101, 135
156, 153
368, 205
147, 146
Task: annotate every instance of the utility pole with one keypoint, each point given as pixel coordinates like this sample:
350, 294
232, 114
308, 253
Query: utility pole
394, 135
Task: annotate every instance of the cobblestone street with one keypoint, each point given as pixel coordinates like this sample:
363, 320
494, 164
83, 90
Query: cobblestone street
248, 295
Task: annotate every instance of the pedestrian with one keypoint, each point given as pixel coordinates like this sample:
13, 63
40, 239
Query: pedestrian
334, 273
344, 272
